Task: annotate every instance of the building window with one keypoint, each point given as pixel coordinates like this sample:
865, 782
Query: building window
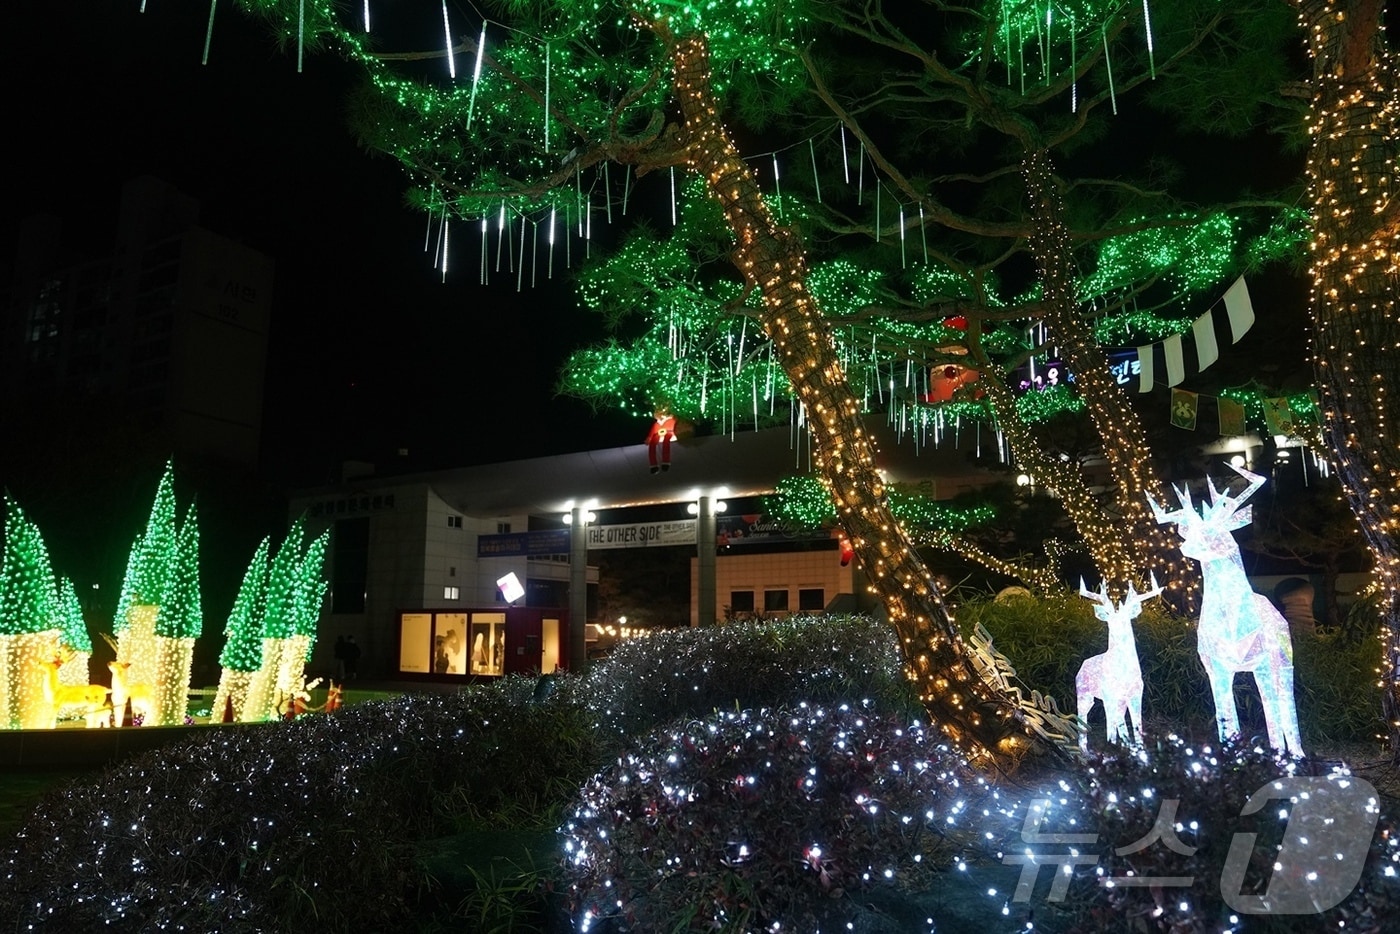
454, 522
811, 598
502, 528
451, 571
741, 601
451, 593
775, 600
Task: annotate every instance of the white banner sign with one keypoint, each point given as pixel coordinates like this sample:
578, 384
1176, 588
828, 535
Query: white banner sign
642, 534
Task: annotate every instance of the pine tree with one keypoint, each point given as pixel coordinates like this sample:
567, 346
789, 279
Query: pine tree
642, 87
241, 656
1353, 123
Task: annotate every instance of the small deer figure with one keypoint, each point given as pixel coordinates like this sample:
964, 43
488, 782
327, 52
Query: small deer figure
92, 698
141, 695
1239, 629
1115, 677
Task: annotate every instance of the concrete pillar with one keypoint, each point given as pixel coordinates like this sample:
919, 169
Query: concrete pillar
705, 565
578, 589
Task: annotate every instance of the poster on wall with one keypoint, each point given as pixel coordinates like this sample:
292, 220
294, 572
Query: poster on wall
488, 643
450, 643
415, 635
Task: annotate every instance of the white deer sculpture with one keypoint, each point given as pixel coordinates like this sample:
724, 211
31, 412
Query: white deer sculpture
1115, 677
1239, 629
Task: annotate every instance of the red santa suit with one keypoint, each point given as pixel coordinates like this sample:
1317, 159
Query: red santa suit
659, 442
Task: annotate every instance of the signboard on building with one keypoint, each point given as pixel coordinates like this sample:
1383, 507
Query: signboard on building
523, 544
763, 530
642, 534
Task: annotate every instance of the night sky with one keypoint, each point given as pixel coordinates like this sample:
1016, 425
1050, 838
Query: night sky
369, 352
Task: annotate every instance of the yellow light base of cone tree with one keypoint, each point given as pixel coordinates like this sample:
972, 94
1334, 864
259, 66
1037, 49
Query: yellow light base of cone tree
231, 694
283, 674
24, 680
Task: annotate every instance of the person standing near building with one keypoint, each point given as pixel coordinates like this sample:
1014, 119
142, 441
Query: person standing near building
340, 658
352, 658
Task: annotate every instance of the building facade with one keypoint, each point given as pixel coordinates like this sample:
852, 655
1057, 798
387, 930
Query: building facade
437, 544
168, 333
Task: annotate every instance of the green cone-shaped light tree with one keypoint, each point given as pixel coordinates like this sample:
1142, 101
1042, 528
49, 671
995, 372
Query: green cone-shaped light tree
280, 665
75, 644
241, 656
150, 575
179, 622
29, 623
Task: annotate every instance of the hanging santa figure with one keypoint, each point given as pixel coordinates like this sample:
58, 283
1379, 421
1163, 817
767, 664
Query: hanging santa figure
847, 550
944, 380
663, 432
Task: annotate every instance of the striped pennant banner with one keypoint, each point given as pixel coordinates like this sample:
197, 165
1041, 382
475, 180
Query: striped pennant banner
1171, 361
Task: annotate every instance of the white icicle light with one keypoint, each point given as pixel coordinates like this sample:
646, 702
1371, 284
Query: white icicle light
451, 58
476, 72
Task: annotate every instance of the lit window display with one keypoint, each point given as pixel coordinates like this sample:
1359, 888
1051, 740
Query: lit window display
488, 643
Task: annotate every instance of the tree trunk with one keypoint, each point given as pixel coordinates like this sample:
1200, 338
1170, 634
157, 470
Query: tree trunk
1356, 332
977, 716
1129, 542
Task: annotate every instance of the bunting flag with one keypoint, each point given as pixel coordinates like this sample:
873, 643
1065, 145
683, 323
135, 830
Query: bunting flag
1171, 360
1184, 405
1231, 416
1278, 415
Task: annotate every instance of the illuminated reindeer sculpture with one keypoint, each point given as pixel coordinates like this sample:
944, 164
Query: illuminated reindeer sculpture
1115, 677
1239, 629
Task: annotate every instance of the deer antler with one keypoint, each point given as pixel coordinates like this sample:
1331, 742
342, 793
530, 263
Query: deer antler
1100, 597
1181, 516
1136, 600
1229, 511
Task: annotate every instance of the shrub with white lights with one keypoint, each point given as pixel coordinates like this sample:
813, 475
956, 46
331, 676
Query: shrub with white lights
1122, 797
756, 820
694, 671
313, 824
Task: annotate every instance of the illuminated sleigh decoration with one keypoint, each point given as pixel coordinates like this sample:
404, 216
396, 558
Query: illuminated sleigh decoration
1115, 677
1239, 629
